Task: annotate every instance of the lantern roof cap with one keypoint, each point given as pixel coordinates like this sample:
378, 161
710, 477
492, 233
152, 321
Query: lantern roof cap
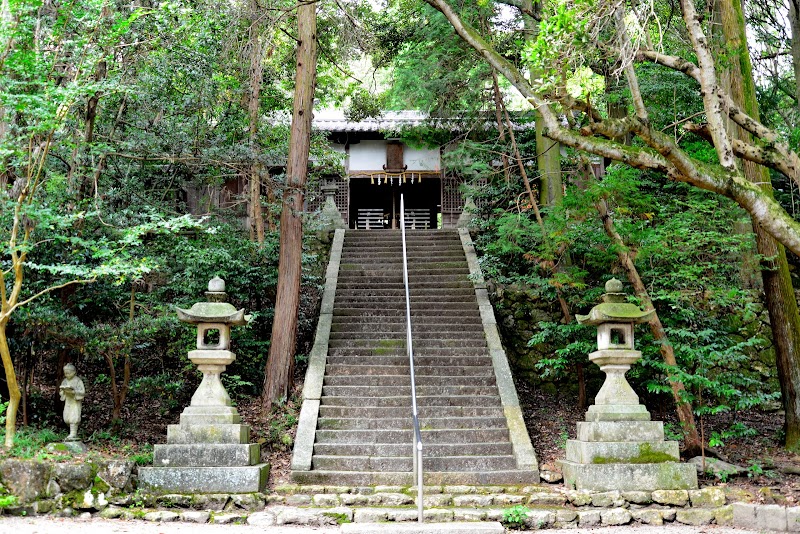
216, 310
615, 309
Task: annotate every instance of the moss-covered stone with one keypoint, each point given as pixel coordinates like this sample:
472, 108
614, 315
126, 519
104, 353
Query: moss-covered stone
646, 456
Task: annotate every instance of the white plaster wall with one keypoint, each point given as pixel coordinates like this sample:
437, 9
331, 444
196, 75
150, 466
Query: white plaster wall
367, 156
421, 159
371, 156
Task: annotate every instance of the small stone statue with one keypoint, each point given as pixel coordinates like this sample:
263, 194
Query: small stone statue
72, 393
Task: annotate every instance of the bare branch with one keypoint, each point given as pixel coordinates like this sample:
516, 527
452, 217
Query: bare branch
49, 290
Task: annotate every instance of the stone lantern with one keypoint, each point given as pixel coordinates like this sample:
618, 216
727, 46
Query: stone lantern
209, 450
330, 215
214, 319
618, 447
614, 319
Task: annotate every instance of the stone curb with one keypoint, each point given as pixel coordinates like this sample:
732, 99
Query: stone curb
312, 387
773, 517
520, 441
544, 506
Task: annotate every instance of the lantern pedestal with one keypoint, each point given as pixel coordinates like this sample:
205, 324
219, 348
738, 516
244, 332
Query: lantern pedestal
209, 451
618, 447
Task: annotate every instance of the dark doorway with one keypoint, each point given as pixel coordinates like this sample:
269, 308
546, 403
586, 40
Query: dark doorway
383, 200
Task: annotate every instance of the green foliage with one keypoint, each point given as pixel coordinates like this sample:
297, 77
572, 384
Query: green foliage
30, 442
144, 456
515, 517
282, 419
736, 430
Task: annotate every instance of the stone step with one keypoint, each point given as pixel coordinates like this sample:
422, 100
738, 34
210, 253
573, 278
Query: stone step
421, 308
368, 478
446, 464
398, 284
419, 352
394, 251
352, 239
398, 327
368, 291
417, 336
392, 370
424, 261
397, 248
361, 463
405, 449
347, 299
438, 436
356, 315
405, 380
405, 401
371, 412
380, 347
394, 276
421, 362
406, 422
473, 319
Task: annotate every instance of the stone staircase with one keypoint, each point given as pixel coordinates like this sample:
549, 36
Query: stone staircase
363, 431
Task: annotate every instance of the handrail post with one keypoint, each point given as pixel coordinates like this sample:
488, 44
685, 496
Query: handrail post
417, 450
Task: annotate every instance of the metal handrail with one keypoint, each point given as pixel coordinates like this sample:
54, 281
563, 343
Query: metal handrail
417, 434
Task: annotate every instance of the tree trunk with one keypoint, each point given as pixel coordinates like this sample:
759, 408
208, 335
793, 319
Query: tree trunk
13, 388
548, 151
778, 291
280, 364
794, 22
253, 96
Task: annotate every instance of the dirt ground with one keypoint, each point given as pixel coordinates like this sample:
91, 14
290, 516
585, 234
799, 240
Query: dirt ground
45, 525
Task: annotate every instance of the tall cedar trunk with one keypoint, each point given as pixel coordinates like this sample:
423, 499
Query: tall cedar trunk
256, 76
548, 157
778, 291
794, 22
280, 364
692, 441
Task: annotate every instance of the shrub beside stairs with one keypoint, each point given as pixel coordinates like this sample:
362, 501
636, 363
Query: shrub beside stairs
355, 425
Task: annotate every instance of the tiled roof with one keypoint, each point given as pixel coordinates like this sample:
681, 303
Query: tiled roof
333, 120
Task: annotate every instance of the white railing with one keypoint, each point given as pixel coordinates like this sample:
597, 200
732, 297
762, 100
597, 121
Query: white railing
417, 454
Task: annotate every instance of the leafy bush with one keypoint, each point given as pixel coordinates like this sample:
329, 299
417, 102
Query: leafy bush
515, 517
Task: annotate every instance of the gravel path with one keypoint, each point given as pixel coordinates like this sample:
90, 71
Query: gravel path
47, 525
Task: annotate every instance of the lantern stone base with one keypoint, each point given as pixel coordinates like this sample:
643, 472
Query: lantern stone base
210, 450
625, 456
629, 477
242, 479
206, 455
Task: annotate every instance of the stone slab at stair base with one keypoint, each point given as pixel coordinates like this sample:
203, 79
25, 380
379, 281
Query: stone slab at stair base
629, 477
242, 479
206, 455
423, 528
598, 452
